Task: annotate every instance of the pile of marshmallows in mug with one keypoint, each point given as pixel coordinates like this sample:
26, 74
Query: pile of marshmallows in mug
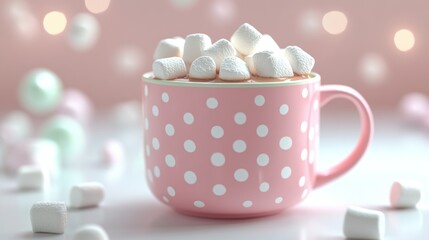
248, 53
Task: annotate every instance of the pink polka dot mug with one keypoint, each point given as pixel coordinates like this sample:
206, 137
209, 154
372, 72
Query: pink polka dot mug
239, 150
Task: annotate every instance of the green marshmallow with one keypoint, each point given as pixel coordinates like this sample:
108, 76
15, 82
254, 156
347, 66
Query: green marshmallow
67, 133
40, 91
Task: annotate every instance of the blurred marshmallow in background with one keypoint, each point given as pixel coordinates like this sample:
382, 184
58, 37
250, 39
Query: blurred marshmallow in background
112, 153
76, 104
15, 126
414, 107
84, 31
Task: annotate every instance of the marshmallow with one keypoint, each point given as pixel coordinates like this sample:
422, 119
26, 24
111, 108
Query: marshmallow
84, 31
113, 152
271, 64
249, 61
88, 194
301, 62
203, 67
363, 223
169, 68
41, 91
76, 104
90, 232
404, 194
219, 51
67, 133
267, 43
15, 126
170, 47
414, 107
30, 177
234, 69
246, 38
48, 217
195, 44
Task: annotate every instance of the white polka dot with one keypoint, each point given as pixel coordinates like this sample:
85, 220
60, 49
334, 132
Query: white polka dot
150, 175
146, 124
170, 160
240, 118
302, 181
263, 159
155, 143
304, 126
239, 146
264, 187
188, 118
286, 172
165, 97
311, 157
212, 103
304, 193
165, 199
157, 172
218, 159
304, 154
199, 204
217, 132
146, 90
147, 150
247, 204
219, 190
284, 109
241, 175
169, 130
285, 143
155, 110
279, 200
190, 177
259, 100
316, 105
189, 146
171, 191
305, 93
262, 130
311, 134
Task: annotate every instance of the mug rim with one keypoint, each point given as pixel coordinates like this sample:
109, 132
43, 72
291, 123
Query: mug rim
148, 77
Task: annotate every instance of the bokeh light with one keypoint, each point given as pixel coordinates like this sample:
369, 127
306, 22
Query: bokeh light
404, 40
55, 22
84, 31
183, 3
97, 6
23, 21
128, 60
310, 21
222, 11
334, 22
373, 68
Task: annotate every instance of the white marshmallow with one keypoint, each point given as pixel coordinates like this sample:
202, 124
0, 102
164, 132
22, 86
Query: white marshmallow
246, 38
48, 217
234, 69
203, 67
249, 61
170, 47
363, 223
30, 177
15, 126
90, 232
405, 194
169, 68
219, 51
267, 43
271, 64
301, 62
88, 194
195, 44
113, 152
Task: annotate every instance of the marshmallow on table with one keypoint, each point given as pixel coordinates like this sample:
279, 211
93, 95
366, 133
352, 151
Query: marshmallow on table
246, 38
88, 194
169, 68
249, 61
170, 47
219, 51
90, 232
30, 177
361, 223
301, 62
271, 64
234, 69
267, 43
195, 44
404, 194
113, 152
48, 217
203, 67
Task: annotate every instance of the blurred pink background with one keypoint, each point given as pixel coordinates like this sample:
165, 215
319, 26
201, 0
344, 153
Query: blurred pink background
363, 56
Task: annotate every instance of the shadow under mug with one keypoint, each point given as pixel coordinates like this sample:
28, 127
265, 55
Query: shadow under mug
239, 150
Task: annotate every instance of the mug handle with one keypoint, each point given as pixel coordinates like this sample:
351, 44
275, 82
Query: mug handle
328, 93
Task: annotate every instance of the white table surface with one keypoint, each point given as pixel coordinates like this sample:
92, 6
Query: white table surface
129, 211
